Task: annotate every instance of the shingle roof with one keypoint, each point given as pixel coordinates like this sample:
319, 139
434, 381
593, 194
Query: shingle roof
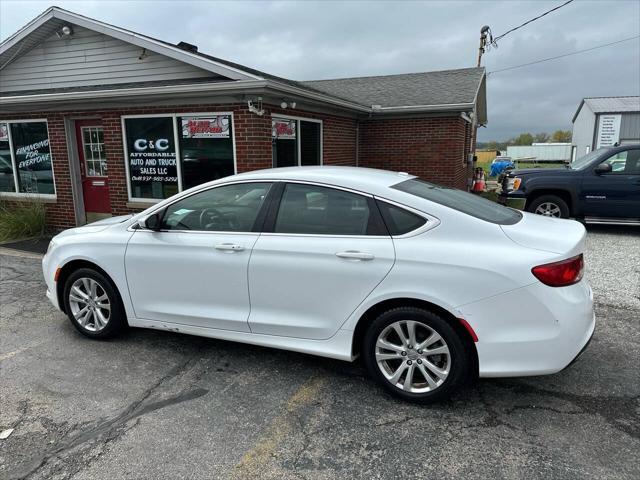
613, 104
609, 105
446, 87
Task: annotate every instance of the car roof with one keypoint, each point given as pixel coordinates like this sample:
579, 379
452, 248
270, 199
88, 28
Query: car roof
368, 180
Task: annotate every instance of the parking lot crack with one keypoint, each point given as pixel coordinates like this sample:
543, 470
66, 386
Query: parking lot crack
109, 430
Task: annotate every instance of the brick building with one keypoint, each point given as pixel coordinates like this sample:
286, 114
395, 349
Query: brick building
96, 120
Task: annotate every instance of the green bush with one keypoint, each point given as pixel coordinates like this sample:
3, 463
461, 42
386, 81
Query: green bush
22, 220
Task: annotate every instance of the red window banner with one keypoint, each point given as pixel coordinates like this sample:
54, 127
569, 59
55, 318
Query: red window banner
206, 127
283, 129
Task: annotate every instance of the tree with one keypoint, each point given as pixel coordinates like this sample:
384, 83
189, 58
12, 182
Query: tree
541, 137
561, 136
522, 139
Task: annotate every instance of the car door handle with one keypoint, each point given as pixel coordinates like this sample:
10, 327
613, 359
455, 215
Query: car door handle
355, 255
230, 247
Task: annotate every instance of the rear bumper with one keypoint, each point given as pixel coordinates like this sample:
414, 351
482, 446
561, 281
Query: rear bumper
536, 330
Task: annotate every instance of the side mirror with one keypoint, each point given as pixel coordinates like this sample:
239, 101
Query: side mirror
603, 168
152, 222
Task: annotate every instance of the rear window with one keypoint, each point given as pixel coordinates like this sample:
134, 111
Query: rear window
464, 202
398, 220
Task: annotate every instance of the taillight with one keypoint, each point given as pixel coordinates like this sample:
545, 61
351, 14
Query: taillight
562, 273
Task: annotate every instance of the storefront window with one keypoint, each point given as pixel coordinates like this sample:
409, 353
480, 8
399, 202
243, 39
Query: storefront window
25, 158
7, 182
285, 142
206, 148
152, 156
296, 142
310, 143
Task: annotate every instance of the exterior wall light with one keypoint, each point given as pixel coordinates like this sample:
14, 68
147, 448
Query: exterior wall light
65, 32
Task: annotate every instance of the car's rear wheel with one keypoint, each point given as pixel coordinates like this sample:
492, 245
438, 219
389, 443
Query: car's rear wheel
93, 305
549, 206
415, 354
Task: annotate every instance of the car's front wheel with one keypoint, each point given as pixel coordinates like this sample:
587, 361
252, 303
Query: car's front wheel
415, 354
93, 304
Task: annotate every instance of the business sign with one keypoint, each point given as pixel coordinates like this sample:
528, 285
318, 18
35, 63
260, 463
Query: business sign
206, 127
152, 155
608, 130
283, 129
4, 132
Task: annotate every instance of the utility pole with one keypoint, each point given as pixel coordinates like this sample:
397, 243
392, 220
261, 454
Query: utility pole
484, 31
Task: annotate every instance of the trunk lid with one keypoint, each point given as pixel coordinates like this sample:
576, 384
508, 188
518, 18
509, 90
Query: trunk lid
555, 235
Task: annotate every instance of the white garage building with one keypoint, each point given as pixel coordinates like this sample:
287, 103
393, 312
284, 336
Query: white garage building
604, 121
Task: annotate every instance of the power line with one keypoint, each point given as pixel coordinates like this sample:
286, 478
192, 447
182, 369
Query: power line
563, 55
529, 21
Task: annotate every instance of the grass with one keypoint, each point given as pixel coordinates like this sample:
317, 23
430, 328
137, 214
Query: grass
486, 165
21, 220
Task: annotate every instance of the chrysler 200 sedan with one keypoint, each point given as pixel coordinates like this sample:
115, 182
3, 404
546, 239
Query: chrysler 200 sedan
431, 286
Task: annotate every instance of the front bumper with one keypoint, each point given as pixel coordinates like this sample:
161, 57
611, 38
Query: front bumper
536, 330
48, 271
512, 200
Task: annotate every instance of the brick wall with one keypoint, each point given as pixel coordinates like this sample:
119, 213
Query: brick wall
252, 138
433, 148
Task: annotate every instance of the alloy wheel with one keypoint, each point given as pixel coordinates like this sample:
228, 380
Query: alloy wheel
548, 209
412, 356
90, 305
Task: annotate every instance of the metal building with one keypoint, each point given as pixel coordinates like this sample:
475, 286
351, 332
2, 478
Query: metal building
605, 121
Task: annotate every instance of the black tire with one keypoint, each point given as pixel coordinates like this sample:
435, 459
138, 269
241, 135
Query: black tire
458, 362
550, 200
116, 321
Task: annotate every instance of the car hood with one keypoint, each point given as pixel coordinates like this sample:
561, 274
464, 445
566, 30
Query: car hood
110, 220
94, 227
555, 235
539, 171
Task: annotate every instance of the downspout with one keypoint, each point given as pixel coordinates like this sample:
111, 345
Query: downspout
357, 142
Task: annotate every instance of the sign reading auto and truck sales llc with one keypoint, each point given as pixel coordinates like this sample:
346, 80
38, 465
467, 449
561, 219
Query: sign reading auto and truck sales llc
608, 130
206, 127
152, 152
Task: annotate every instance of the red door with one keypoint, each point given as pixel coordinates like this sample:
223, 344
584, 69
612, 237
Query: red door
93, 167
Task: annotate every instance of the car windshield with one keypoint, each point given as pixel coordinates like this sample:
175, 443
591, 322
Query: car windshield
464, 202
585, 160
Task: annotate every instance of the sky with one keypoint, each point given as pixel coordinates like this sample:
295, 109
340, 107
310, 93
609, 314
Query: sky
308, 40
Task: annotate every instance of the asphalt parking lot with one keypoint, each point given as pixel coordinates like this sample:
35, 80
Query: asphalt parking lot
159, 405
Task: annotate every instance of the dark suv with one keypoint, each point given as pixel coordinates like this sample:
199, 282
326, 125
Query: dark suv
603, 186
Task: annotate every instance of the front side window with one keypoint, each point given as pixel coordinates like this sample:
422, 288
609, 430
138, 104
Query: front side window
151, 153
315, 210
28, 163
228, 208
625, 163
464, 202
296, 142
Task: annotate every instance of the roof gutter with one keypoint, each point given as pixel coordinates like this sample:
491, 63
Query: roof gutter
221, 87
133, 91
453, 107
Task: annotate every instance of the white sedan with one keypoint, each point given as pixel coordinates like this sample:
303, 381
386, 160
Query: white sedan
430, 285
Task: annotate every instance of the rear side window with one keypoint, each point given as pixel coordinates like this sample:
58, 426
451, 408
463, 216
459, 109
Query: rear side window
464, 202
398, 220
312, 209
